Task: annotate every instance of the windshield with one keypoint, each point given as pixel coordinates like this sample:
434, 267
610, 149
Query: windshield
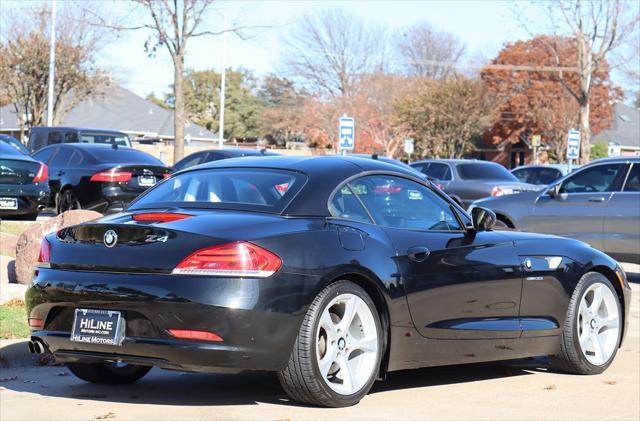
263, 190
484, 171
117, 138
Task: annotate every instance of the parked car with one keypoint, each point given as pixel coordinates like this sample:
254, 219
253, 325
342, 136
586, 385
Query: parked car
466, 180
598, 204
541, 175
100, 177
392, 162
15, 143
23, 184
39, 137
201, 157
330, 271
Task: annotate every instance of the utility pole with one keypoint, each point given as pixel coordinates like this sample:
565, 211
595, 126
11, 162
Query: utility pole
52, 64
223, 82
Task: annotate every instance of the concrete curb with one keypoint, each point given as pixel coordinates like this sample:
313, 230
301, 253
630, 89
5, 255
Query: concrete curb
15, 353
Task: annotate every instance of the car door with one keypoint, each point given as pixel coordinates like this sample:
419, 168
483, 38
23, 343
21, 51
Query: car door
460, 284
58, 169
622, 220
579, 209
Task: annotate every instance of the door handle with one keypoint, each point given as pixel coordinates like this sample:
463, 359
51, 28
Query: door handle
418, 253
596, 199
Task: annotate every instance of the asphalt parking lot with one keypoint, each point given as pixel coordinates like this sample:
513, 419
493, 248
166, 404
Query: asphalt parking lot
517, 390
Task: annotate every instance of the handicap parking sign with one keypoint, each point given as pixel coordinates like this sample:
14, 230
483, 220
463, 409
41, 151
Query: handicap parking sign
573, 144
346, 134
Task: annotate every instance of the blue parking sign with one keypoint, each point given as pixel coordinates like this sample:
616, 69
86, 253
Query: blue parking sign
346, 134
573, 144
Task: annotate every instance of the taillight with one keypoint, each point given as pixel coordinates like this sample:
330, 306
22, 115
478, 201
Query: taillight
234, 259
160, 216
45, 252
497, 191
166, 175
112, 176
43, 173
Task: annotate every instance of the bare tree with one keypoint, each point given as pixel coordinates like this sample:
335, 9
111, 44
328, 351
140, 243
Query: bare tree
24, 63
427, 52
599, 27
332, 50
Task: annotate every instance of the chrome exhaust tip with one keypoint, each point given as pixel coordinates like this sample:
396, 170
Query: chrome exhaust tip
31, 348
38, 347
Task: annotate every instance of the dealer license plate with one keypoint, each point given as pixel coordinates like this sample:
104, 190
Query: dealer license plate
8, 203
105, 327
147, 180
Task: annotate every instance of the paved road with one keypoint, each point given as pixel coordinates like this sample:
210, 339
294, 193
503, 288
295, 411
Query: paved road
523, 390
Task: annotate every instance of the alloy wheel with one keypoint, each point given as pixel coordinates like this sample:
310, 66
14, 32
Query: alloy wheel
346, 344
598, 323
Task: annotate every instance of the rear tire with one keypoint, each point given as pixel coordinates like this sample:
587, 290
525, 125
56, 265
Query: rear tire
336, 356
67, 200
108, 373
592, 328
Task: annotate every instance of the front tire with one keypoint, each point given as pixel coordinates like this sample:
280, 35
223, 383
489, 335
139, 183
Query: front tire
108, 373
336, 356
593, 327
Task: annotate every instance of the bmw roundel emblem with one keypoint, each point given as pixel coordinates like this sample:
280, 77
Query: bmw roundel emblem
110, 238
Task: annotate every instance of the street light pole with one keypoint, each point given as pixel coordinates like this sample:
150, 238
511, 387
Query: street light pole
52, 63
223, 82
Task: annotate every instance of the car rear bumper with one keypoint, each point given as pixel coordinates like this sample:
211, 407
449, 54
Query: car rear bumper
31, 198
257, 324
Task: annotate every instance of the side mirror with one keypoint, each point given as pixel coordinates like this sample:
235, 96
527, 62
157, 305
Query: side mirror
483, 219
554, 190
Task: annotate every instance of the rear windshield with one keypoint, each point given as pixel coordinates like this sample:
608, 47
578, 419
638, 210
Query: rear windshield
17, 172
119, 139
484, 171
263, 190
121, 155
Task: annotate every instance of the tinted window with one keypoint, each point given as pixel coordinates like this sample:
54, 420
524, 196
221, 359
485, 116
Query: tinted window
189, 161
346, 205
62, 158
438, 171
399, 203
599, 178
76, 159
484, 171
263, 190
44, 155
524, 175
119, 139
17, 171
633, 181
547, 175
110, 155
54, 138
37, 140
71, 137
14, 143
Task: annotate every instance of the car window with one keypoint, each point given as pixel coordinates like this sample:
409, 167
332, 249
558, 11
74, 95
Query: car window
484, 171
189, 161
418, 167
62, 158
263, 190
123, 155
54, 138
44, 155
37, 140
633, 181
213, 156
546, 176
346, 205
599, 178
76, 159
438, 171
524, 175
400, 203
70, 137
119, 139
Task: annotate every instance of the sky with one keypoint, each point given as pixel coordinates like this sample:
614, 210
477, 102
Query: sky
483, 26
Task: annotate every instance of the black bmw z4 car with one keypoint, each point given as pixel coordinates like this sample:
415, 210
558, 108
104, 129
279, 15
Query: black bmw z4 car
330, 271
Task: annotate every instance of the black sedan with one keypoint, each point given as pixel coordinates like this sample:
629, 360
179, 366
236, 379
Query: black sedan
23, 184
202, 157
101, 177
330, 271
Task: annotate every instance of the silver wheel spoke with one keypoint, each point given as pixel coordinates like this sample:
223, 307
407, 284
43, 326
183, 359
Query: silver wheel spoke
328, 360
345, 372
597, 349
597, 299
350, 310
365, 344
610, 321
584, 309
327, 324
584, 338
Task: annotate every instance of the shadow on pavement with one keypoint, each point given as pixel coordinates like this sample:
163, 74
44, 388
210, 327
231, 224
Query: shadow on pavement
161, 387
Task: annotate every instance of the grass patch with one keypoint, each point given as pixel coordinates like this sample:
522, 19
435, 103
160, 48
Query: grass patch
14, 227
13, 320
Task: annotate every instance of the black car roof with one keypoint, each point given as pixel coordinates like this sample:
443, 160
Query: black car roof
325, 173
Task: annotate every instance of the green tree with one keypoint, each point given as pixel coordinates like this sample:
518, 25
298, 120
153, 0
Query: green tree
158, 101
599, 150
280, 120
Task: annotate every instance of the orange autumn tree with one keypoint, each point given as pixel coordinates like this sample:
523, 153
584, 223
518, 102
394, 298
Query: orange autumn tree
537, 102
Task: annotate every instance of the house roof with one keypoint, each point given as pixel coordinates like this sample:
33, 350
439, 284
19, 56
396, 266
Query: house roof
119, 109
625, 129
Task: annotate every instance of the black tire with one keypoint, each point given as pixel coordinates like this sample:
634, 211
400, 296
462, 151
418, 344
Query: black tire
108, 373
571, 359
301, 378
67, 200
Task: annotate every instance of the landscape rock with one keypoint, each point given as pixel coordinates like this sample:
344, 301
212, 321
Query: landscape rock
28, 246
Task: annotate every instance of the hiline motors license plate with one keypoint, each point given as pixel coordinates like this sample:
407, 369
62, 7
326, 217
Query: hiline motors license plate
147, 180
8, 203
105, 327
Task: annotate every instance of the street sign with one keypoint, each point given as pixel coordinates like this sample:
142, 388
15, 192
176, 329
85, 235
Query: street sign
408, 146
573, 144
346, 134
535, 140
